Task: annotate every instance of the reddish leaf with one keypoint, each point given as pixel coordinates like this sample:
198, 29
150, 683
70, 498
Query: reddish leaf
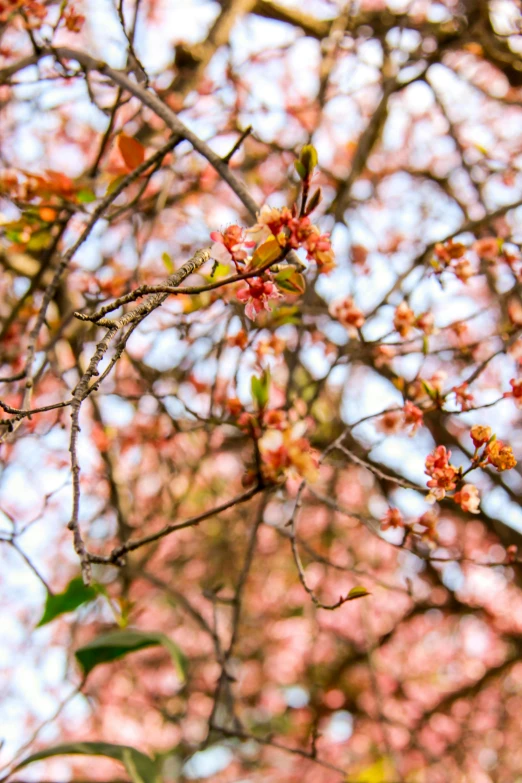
131, 150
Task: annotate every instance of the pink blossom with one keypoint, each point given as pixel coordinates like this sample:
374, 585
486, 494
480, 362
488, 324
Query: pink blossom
256, 295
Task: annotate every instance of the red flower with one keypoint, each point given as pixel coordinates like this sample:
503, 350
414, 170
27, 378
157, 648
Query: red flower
480, 435
256, 295
487, 248
404, 319
392, 518
500, 456
233, 240
463, 398
516, 391
347, 313
412, 417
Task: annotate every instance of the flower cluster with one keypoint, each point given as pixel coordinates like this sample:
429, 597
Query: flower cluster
463, 397
404, 320
294, 231
412, 417
443, 475
73, 20
500, 456
395, 420
450, 256
344, 311
425, 526
278, 230
285, 450
281, 443
495, 453
393, 518
487, 248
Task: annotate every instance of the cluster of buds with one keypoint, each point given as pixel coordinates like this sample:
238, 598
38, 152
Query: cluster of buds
392, 519
450, 256
283, 449
495, 452
425, 527
34, 11
405, 320
463, 397
488, 248
516, 391
73, 20
396, 420
344, 311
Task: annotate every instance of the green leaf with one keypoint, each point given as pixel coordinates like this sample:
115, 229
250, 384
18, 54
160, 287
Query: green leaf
430, 391
314, 201
39, 241
300, 169
114, 183
286, 314
379, 772
140, 767
167, 260
261, 389
85, 196
266, 253
357, 592
74, 595
289, 279
308, 159
116, 644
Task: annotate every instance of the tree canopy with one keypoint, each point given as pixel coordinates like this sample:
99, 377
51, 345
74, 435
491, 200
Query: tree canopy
260, 383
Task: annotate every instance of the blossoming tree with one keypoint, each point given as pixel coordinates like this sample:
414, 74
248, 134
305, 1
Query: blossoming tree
260, 387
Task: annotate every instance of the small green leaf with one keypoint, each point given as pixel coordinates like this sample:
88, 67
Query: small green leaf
167, 260
218, 272
266, 253
114, 183
308, 158
140, 767
289, 279
300, 169
39, 241
379, 772
85, 196
74, 595
116, 644
430, 391
357, 592
261, 389
314, 201
286, 314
